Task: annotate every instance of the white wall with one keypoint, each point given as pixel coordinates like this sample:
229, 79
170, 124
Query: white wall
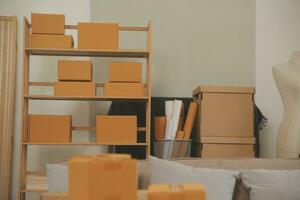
44, 69
277, 36
194, 42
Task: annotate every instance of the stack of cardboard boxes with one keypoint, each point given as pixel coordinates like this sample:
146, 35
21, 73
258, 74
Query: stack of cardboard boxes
225, 122
75, 78
48, 31
125, 80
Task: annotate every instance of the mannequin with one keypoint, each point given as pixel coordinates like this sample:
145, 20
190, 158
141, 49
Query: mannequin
287, 79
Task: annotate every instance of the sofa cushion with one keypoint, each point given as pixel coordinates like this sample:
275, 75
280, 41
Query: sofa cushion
219, 183
272, 184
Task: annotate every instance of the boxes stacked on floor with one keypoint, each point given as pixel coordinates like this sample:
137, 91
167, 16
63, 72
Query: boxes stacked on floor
225, 122
125, 80
107, 176
75, 78
48, 31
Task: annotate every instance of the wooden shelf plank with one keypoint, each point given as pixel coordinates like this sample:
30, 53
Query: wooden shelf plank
82, 128
86, 144
80, 98
89, 52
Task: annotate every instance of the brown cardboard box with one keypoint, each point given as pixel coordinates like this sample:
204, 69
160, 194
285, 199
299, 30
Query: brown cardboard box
225, 111
51, 41
75, 89
75, 70
47, 24
116, 129
176, 192
79, 178
50, 128
125, 72
124, 89
54, 196
101, 36
224, 147
113, 178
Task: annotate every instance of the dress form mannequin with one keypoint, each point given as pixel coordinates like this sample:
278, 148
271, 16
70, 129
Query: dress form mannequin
287, 79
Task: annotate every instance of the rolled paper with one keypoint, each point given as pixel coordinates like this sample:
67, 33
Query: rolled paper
190, 119
168, 111
160, 127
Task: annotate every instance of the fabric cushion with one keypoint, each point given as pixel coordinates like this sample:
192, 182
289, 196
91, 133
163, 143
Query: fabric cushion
272, 184
219, 183
57, 177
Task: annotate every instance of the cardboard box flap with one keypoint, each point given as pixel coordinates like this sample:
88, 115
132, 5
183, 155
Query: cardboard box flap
226, 140
223, 89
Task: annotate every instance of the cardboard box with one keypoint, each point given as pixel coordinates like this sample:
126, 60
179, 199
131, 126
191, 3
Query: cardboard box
47, 24
224, 111
51, 41
176, 192
79, 89
114, 178
79, 178
124, 89
125, 72
101, 36
103, 177
116, 129
49, 128
224, 147
54, 196
75, 70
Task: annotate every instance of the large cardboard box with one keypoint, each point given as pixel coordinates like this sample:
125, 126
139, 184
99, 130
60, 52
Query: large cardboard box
116, 129
114, 178
51, 41
124, 89
224, 147
47, 24
101, 36
75, 70
224, 111
125, 72
49, 128
103, 177
79, 89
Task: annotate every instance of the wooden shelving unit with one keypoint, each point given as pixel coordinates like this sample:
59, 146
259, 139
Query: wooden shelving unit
27, 97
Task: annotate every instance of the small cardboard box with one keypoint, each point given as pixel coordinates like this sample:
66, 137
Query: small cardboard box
114, 178
103, 177
116, 129
224, 111
54, 196
47, 24
50, 128
75, 70
79, 89
176, 192
125, 72
101, 36
124, 89
224, 147
51, 41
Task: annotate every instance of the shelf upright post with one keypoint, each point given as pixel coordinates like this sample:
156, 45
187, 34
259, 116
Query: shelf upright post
148, 91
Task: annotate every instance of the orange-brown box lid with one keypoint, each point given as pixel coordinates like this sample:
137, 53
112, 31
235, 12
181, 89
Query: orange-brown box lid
223, 89
51, 41
47, 23
103, 36
75, 70
125, 72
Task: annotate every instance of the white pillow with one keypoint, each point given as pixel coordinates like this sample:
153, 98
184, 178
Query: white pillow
57, 177
272, 184
219, 183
